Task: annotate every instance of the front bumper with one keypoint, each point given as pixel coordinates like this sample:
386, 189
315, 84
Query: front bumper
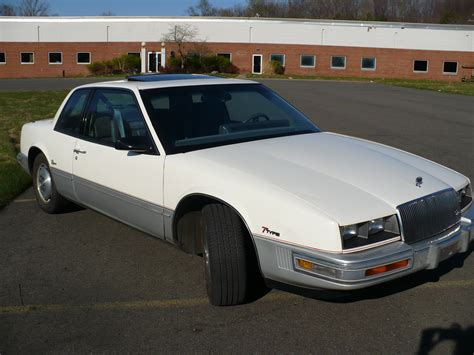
348, 271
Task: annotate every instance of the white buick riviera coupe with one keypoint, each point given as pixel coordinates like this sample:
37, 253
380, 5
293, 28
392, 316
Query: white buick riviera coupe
229, 170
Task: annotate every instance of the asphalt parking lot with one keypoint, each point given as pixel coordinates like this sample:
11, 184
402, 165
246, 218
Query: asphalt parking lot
81, 282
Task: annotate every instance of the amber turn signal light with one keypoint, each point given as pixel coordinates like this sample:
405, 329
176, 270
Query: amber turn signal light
385, 268
304, 264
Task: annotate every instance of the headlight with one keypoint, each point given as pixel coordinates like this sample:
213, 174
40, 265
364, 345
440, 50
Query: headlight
378, 231
465, 196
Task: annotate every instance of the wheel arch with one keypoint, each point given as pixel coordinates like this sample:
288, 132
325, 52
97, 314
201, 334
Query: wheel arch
33, 152
194, 202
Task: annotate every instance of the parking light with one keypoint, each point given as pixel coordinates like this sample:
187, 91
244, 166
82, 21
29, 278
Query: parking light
385, 268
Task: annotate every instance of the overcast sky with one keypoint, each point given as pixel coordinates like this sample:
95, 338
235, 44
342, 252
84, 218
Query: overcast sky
127, 7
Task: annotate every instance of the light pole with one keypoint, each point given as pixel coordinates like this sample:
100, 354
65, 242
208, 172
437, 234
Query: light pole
163, 54
143, 58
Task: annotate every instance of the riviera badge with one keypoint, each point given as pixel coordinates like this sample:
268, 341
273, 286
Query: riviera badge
419, 181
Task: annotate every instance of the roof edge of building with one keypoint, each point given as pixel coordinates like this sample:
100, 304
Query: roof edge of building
326, 22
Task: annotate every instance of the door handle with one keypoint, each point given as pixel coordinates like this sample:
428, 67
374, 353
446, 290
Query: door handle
77, 151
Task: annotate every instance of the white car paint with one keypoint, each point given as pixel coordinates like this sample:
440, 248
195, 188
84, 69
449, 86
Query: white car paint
305, 186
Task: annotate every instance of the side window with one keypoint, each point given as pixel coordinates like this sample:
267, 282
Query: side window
114, 115
69, 121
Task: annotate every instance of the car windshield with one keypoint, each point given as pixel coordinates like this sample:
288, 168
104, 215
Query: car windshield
197, 117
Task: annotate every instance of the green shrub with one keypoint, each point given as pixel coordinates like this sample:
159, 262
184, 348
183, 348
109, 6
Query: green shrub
96, 68
196, 63
224, 65
278, 68
125, 64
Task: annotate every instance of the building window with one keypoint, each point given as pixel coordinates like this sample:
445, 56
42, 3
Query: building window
450, 67
27, 58
3, 58
280, 58
134, 54
368, 63
338, 62
55, 58
307, 61
225, 55
83, 58
420, 66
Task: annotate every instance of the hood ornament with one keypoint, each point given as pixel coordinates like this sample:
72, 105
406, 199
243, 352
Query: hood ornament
419, 181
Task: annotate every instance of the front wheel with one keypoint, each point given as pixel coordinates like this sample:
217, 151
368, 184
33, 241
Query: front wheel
47, 196
231, 269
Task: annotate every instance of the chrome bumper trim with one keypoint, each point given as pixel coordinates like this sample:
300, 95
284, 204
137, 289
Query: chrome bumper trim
22, 159
347, 271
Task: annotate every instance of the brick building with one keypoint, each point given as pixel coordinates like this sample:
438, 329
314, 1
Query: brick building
63, 46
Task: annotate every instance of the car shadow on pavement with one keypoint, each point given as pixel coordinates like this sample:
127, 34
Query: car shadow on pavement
381, 290
463, 339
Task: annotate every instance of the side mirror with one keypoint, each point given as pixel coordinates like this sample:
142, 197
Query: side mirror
134, 144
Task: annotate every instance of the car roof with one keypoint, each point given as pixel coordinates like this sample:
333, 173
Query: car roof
155, 81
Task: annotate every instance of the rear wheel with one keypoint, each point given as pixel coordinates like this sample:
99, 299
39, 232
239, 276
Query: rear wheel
47, 196
231, 269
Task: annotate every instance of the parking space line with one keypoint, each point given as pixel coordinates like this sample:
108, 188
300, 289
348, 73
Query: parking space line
174, 303
23, 200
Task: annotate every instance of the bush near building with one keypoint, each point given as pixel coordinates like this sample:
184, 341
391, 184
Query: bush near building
278, 68
195, 63
125, 64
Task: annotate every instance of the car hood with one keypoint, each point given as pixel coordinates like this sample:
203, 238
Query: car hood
349, 179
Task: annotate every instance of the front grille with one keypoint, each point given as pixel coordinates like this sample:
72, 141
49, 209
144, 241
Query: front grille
429, 215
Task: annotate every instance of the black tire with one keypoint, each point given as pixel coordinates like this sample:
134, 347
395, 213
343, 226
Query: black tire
231, 269
55, 203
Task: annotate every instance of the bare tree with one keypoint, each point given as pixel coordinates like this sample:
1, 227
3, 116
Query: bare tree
7, 10
107, 13
203, 8
34, 8
181, 35
380, 10
444, 11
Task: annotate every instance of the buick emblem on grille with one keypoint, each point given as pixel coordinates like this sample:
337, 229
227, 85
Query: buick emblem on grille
419, 181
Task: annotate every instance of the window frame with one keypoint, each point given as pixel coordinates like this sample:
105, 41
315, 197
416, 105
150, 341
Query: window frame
55, 63
83, 63
421, 71
307, 66
27, 63
284, 58
451, 73
86, 119
84, 109
339, 56
368, 69
4, 56
226, 53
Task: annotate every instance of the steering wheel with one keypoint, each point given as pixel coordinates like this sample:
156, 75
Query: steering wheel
256, 117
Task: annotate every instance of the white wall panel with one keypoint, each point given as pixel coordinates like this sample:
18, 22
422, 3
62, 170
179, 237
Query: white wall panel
343, 33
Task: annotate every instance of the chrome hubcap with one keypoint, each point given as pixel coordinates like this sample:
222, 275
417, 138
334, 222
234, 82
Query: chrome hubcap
44, 183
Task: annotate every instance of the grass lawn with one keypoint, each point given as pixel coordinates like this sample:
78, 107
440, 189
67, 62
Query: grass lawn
16, 109
455, 87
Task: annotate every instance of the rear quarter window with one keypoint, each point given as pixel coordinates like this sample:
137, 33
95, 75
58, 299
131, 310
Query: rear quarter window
70, 120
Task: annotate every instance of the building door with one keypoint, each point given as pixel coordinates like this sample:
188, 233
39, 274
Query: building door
154, 62
257, 64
